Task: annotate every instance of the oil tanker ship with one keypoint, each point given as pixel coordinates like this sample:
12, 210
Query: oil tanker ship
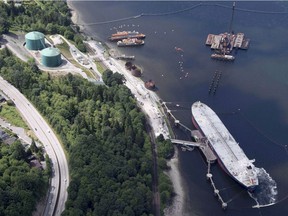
126, 34
229, 154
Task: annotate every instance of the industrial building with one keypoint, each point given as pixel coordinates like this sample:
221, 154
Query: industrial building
51, 57
35, 40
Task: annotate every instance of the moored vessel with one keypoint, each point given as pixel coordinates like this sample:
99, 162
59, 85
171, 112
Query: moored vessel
229, 154
126, 34
130, 42
222, 57
150, 85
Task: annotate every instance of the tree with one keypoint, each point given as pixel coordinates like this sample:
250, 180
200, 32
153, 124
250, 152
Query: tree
18, 151
69, 34
81, 47
112, 79
4, 24
20, 185
33, 146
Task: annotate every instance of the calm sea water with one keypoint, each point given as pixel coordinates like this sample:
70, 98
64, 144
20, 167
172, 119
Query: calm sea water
251, 98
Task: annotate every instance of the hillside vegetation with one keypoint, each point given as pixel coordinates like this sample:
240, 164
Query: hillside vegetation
103, 132
21, 186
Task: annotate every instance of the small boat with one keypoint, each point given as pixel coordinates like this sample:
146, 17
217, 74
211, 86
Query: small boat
178, 49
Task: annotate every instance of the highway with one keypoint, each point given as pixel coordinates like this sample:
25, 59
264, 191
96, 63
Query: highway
55, 203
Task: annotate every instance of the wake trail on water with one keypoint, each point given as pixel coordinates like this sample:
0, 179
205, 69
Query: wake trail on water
266, 192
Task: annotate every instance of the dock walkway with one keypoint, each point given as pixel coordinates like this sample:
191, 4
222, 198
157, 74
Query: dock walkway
203, 146
186, 143
201, 142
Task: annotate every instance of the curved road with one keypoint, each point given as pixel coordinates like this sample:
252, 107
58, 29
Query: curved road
60, 175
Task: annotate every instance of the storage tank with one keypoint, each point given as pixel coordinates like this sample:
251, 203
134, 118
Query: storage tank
51, 57
35, 40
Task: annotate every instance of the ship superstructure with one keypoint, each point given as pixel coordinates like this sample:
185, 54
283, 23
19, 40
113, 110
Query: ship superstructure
229, 154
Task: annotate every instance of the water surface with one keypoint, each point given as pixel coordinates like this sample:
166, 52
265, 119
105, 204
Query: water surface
252, 96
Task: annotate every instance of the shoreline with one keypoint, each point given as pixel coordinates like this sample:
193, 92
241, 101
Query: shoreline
74, 13
177, 206
150, 100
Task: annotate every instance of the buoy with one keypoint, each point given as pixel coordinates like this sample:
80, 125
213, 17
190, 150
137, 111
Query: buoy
216, 192
209, 175
176, 123
224, 206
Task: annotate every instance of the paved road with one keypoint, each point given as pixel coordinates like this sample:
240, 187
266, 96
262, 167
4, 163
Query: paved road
20, 132
60, 177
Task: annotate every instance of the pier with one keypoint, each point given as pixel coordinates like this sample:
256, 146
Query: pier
216, 191
202, 143
177, 123
203, 146
124, 57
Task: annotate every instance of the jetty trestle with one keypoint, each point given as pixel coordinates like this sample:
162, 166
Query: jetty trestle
215, 190
203, 144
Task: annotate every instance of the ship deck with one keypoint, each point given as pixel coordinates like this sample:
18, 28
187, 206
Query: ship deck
222, 142
238, 41
219, 137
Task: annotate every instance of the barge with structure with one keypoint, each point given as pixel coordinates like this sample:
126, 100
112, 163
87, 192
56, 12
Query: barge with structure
126, 34
224, 43
228, 152
130, 42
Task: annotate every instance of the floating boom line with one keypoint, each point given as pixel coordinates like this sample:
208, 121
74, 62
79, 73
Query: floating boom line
184, 10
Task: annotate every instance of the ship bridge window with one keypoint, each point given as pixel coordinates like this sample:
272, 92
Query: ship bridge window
249, 167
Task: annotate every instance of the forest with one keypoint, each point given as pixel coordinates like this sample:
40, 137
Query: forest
104, 133
21, 186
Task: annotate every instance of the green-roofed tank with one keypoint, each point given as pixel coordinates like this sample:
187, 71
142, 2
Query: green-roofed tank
35, 40
51, 57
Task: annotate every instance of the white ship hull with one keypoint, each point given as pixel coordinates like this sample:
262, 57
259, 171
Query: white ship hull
230, 156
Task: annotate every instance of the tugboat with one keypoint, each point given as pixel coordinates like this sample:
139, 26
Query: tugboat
223, 57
